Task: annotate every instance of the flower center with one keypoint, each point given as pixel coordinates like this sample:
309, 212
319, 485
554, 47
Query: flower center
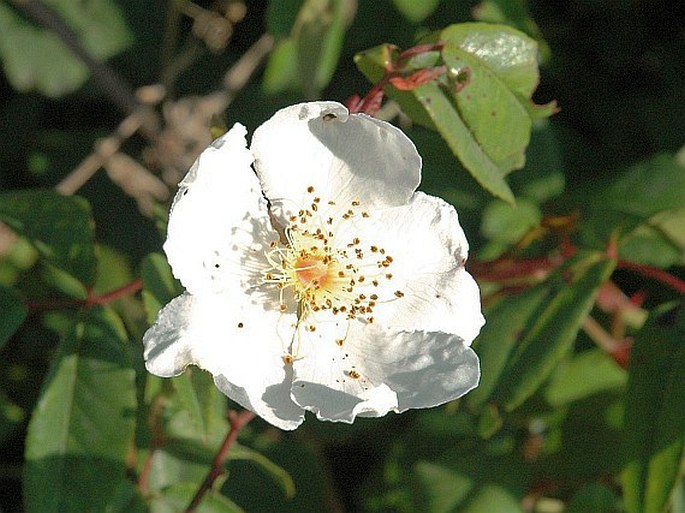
311, 271
324, 272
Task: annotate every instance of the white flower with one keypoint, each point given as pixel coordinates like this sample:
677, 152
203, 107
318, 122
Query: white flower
317, 278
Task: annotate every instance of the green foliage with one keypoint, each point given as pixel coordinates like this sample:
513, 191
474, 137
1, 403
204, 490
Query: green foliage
567, 216
307, 57
654, 433
83, 426
34, 58
481, 104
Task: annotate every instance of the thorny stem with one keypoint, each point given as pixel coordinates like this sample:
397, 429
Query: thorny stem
237, 421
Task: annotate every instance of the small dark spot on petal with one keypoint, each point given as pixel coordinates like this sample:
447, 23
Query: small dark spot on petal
240, 325
329, 117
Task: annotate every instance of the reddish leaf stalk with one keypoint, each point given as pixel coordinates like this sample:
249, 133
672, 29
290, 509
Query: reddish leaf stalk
371, 103
652, 272
105, 299
41, 305
237, 421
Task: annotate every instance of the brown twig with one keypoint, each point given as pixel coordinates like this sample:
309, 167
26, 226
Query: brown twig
237, 421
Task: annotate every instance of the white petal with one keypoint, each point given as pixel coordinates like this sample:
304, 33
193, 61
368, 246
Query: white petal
325, 382
240, 343
428, 250
343, 157
219, 226
377, 370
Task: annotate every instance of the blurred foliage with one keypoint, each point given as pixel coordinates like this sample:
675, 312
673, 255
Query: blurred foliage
576, 222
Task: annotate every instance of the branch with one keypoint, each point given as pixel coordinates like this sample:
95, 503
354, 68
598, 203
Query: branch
118, 91
237, 421
92, 299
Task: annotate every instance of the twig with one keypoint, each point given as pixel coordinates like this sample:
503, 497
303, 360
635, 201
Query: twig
92, 299
118, 91
237, 422
103, 151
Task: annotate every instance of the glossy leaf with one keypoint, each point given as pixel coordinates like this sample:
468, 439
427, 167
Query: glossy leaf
493, 113
507, 52
556, 323
60, 227
35, 58
83, 426
654, 429
13, 311
481, 105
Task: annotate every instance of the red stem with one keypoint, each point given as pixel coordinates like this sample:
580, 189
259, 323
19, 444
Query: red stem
105, 299
237, 422
40, 305
655, 273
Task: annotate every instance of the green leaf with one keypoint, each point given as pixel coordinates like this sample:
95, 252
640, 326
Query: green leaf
443, 489
281, 68
654, 425
13, 311
495, 116
508, 53
492, 498
555, 326
307, 59
587, 373
36, 59
83, 426
514, 13
159, 285
60, 227
416, 11
593, 497
198, 396
177, 497
482, 106
461, 141
281, 16
190, 451
498, 338
634, 198
507, 223
659, 242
